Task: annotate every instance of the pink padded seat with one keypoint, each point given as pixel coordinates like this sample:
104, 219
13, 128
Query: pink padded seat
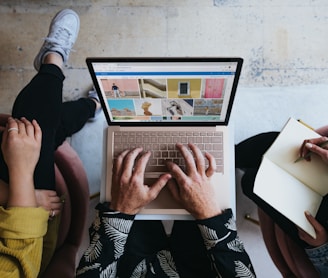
290, 259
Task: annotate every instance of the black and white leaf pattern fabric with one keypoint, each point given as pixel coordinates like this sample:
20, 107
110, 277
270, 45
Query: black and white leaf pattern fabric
210, 236
96, 223
94, 250
87, 269
231, 224
110, 271
167, 263
140, 271
243, 271
236, 245
117, 231
109, 235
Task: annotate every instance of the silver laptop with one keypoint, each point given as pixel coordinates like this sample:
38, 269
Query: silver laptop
155, 103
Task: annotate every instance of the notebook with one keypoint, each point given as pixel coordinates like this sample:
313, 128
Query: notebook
156, 102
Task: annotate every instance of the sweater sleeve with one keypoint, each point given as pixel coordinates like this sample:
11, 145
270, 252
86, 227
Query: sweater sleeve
319, 257
21, 232
108, 236
224, 247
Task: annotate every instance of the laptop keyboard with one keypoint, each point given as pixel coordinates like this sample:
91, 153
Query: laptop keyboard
162, 146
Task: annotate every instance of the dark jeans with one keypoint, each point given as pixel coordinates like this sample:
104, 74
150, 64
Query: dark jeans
146, 238
248, 156
41, 100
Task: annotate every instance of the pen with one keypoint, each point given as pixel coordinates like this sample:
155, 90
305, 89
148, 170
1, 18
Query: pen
309, 153
300, 121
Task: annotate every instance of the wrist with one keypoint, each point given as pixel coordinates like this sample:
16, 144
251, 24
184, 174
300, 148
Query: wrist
21, 190
122, 209
21, 181
207, 214
21, 198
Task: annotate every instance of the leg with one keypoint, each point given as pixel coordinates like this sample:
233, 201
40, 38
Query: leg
73, 117
248, 153
145, 239
41, 99
188, 250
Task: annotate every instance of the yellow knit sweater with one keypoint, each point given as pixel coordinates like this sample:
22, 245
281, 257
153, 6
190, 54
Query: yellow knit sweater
21, 236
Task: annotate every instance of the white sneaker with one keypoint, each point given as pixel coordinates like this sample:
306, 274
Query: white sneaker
63, 32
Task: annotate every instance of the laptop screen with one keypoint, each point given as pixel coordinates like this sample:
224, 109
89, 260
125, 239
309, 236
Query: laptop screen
166, 90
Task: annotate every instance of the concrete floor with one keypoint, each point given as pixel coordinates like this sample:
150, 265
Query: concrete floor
22, 29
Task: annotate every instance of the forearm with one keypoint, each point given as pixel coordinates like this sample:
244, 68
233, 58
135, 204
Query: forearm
225, 249
21, 190
108, 236
20, 193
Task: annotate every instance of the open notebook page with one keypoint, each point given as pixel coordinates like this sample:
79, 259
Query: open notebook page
286, 194
285, 150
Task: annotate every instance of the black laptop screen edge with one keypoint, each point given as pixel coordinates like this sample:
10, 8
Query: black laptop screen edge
90, 60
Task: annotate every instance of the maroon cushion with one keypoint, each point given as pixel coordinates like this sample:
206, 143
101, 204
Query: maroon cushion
290, 259
269, 236
72, 170
65, 221
295, 256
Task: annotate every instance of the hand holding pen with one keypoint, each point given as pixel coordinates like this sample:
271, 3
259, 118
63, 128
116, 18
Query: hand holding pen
317, 146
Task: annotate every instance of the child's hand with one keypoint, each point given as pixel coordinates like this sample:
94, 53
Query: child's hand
321, 233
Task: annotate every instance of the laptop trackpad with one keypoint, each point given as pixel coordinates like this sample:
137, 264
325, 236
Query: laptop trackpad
164, 199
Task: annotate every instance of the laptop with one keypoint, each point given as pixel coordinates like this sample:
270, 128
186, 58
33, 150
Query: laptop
156, 102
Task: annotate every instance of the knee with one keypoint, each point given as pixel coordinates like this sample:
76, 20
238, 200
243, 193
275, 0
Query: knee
247, 182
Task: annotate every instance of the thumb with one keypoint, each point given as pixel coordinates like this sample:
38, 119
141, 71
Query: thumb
316, 225
160, 183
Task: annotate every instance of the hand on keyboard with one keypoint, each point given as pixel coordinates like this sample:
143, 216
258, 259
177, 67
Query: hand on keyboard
129, 193
162, 145
192, 187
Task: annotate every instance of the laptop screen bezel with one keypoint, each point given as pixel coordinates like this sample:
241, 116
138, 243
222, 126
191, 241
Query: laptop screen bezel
238, 60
